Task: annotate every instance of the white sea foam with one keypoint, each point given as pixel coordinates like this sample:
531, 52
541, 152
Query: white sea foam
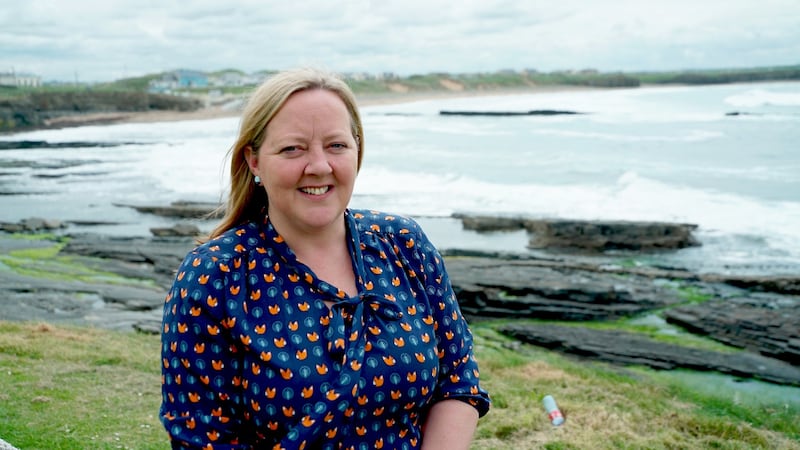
764, 97
691, 136
631, 197
642, 154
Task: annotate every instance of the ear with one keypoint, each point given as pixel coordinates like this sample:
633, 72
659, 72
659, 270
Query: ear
251, 157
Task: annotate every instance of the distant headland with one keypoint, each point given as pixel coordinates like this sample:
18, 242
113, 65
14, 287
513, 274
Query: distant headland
194, 94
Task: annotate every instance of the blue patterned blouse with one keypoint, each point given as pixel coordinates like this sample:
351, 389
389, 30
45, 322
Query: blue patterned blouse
253, 358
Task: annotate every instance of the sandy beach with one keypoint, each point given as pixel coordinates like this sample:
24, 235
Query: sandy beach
231, 107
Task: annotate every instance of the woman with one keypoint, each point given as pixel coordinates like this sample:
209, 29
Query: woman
302, 323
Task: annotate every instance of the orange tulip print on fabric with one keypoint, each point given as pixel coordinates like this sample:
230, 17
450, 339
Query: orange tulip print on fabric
253, 356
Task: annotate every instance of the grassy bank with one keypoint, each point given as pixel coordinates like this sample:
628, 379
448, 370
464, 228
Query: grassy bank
66, 387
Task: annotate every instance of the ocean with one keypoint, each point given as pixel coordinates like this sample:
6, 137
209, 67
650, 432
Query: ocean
724, 157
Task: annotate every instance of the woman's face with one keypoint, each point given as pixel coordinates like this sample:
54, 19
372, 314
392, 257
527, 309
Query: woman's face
308, 162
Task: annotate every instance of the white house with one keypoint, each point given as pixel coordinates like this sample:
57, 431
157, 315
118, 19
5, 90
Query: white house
20, 79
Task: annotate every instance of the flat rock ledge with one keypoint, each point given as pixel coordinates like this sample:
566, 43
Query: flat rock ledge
585, 235
590, 235
762, 319
32, 224
625, 348
148, 265
763, 323
180, 209
488, 287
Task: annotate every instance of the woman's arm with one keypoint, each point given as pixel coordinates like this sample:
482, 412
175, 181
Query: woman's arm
449, 426
199, 395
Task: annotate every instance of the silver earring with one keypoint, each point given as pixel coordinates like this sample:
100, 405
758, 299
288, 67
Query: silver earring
257, 180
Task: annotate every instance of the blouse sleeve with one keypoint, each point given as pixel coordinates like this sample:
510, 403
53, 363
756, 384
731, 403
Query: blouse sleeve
200, 397
458, 370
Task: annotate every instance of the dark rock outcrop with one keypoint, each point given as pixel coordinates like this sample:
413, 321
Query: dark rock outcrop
104, 305
32, 224
180, 209
36, 109
566, 287
622, 347
610, 235
534, 112
177, 230
484, 224
780, 284
590, 235
546, 290
23, 145
154, 259
768, 324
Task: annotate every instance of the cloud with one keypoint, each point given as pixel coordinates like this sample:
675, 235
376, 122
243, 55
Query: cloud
108, 40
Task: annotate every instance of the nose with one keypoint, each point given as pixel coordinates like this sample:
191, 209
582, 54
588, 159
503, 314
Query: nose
317, 161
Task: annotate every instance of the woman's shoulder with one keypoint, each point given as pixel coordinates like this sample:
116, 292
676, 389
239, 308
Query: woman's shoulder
402, 231
383, 222
232, 242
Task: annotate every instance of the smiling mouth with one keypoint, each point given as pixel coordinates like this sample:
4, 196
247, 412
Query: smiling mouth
315, 190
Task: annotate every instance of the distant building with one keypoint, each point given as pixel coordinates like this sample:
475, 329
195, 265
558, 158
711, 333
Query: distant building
356, 76
190, 78
234, 79
179, 79
20, 79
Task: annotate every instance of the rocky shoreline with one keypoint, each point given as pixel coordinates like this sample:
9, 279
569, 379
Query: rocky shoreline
757, 318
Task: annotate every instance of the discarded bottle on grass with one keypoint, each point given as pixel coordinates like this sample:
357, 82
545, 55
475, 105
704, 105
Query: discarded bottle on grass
553, 413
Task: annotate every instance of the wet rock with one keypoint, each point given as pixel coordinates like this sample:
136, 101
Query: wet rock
768, 324
547, 290
622, 347
568, 288
590, 235
177, 230
491, 223
36, 224
154, 259
534, 112
30, 144
610, 235
32, 224
780, 284
91, 223
10, 227
562, 290
47, 164
97, 304
181, 209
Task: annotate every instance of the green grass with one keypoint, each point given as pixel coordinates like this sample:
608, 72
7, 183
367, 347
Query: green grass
64, 387
612, 408
73, 388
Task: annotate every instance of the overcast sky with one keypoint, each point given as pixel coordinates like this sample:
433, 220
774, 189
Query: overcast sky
93, 40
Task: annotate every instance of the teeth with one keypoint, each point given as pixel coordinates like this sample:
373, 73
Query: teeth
315, 190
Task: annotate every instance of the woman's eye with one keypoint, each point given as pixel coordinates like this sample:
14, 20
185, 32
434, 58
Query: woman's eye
338, 146
289, 149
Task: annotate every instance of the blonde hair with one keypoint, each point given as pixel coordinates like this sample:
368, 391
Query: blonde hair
247, 201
